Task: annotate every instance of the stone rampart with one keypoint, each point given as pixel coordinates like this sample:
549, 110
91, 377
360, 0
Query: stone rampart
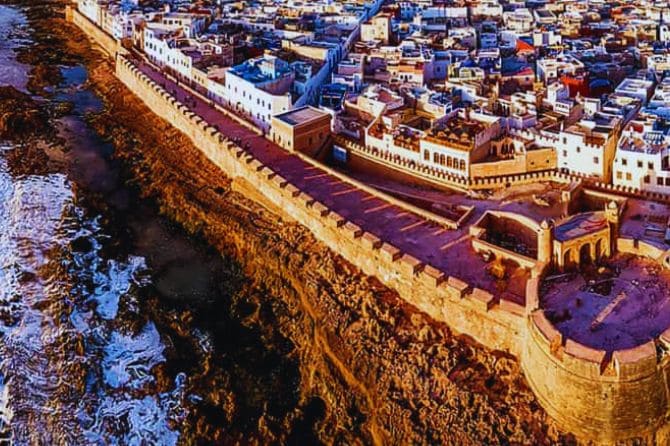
110, 45
474, 312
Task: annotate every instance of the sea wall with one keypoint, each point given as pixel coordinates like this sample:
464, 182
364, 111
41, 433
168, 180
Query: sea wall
110, 45
474, 312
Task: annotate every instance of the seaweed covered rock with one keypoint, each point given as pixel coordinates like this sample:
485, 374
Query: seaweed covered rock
20, 116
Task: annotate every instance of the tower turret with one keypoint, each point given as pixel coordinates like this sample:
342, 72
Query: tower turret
612, 216
544, 242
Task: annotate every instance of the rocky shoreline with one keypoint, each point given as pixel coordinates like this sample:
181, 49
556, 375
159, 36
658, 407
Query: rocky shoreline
357, 365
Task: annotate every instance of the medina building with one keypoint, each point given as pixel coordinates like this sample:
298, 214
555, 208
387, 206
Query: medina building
642, 155
260, 88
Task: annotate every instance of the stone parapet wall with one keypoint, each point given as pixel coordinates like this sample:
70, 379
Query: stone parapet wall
475, 312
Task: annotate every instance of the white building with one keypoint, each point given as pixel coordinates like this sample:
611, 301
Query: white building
636, 88
588, 147
642, 156
260, 88
519, 20
553, 68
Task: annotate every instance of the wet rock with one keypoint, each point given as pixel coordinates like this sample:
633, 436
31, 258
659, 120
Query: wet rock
20, 115
42, 77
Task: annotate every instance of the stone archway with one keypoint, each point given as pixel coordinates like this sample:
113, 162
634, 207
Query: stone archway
585, 254
567, 258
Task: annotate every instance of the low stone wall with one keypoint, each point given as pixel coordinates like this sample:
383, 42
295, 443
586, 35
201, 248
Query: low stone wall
644, 249
110, 45
481, 245
447, 299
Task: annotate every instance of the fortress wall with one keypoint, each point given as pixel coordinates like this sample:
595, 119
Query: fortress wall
474, 312
104, 40
596, 397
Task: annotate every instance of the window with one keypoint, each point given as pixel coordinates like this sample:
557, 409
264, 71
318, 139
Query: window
579, 149
629, 176
667, 181
650, 165
646, 179
639, 164
619, 175
565, 153
624, 161
596, 160
659, 181
426, 155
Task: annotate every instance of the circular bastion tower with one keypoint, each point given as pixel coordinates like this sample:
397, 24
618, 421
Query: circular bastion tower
597, 365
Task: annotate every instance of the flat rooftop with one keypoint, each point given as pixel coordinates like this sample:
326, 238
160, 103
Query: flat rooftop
580, 225
301, 115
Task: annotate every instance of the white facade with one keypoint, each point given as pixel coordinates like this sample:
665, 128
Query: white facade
584, 149
642, 158
260, 91
91, 9
552, 69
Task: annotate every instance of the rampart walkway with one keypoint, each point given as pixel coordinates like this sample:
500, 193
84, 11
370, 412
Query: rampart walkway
447, 250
